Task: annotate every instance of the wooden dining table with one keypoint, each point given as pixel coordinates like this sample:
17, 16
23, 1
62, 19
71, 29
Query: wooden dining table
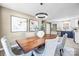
30, 43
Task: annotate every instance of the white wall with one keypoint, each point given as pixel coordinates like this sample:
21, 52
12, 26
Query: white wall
59, 24
72, 21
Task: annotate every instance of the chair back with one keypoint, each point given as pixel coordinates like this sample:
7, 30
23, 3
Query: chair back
63, 41
6, 46
50, 47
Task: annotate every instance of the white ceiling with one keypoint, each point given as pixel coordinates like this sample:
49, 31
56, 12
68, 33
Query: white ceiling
54, 10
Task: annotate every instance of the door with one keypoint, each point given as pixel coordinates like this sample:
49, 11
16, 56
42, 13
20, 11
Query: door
54, 27
48, 28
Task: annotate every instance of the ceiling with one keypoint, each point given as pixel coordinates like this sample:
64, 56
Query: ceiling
54, 10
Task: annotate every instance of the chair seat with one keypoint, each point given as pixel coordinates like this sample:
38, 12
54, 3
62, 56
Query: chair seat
50, 47
37, 54
15, 46
68, 51
26, 54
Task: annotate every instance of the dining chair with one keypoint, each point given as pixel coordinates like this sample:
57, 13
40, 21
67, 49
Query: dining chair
7, 49
61, 44
49, 50
68, 51
56, 45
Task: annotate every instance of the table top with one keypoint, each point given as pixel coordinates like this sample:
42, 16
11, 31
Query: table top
30, 43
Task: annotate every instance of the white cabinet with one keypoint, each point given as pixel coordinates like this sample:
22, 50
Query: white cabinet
77, 37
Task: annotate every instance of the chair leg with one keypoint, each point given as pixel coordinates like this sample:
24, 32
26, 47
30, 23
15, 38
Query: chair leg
61, 51
32, 54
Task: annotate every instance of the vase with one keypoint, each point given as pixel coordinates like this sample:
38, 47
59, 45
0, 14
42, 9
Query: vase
40, 34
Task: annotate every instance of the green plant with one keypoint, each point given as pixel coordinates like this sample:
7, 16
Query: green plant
42, 27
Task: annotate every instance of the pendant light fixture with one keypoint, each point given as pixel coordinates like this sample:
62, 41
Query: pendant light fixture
41, 15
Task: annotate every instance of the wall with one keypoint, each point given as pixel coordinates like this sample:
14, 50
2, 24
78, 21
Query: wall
73, 23
6, 24
0, 25
0, 21
59, 24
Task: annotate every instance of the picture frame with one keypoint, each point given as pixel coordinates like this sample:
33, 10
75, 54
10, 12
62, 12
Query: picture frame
66, 25
19, 24
33, 25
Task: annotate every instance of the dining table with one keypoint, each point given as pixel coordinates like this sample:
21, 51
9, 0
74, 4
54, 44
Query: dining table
31, 43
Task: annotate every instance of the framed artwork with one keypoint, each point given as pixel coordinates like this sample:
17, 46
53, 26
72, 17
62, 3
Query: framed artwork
66, 25
18, 24
33, 25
